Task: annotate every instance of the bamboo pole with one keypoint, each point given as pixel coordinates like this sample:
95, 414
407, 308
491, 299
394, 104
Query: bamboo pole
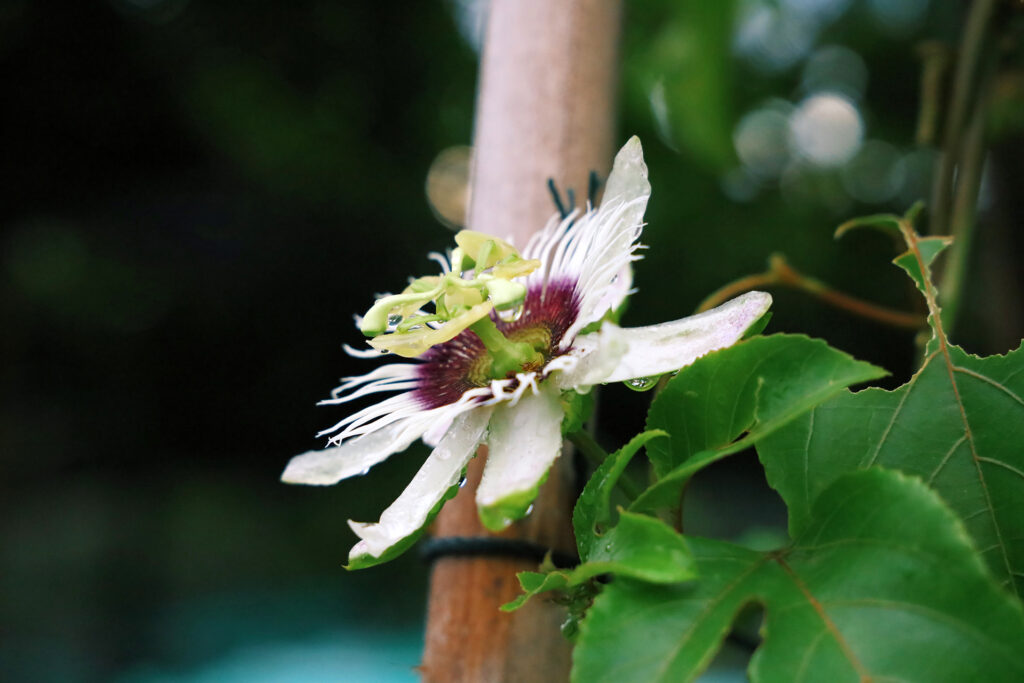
544, 110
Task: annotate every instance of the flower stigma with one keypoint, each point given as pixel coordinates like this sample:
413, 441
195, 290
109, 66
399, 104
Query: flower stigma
481, 280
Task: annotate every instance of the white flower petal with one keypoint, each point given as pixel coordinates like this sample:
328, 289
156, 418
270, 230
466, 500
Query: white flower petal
353, 457
606, 243
437, 430
620, 288
591, 355
439, 473
628, 353
524, 441
628, 180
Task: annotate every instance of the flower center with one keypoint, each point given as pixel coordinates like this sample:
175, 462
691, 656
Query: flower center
481, 280
507, 357
463, 363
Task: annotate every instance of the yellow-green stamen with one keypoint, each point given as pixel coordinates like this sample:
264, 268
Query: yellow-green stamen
398, 323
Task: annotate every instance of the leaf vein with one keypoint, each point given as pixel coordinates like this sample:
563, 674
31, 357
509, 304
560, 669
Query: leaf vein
807, 464
949, 454
826, 620
988, 380
892, 420
1000, 463
806, 659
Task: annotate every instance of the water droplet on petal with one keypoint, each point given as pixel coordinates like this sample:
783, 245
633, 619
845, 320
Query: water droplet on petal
364, 472
394, 319
462, 481
642, 383
510, 315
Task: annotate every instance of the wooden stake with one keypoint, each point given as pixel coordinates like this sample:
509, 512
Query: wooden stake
544, 110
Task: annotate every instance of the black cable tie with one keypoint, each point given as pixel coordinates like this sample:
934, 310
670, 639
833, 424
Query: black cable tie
488, 546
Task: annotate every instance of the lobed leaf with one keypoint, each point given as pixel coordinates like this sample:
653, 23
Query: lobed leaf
958, 423
882, 584
729, 399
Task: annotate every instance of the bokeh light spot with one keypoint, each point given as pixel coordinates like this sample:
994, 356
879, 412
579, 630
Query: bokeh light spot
826, 129
448, 185
761, 139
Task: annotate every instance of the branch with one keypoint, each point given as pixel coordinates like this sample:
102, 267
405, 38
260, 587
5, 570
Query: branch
781, 273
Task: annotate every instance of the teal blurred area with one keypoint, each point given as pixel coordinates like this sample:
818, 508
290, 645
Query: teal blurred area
196, 198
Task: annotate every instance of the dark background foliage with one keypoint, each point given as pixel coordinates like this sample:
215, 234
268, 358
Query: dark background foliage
198, 196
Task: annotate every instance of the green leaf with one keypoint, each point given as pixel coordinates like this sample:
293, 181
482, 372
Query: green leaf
916, 261
885, 222
593, 509
889, 223
534, 583
749, 390
958, 424
881, 585
638, 547
913, 260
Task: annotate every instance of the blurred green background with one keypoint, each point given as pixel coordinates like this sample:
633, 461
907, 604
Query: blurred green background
198, 196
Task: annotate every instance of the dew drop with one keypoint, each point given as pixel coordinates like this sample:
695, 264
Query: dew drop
510, 315
569, 627
364, 472
528, 510
642, 383
394, 319
462, 481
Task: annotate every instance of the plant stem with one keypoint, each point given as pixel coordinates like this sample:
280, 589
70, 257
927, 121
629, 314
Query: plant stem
597, 455
935, 60
952, 277
975, 41
781, 273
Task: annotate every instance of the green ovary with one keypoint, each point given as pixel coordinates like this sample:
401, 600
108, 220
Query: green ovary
537, 336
